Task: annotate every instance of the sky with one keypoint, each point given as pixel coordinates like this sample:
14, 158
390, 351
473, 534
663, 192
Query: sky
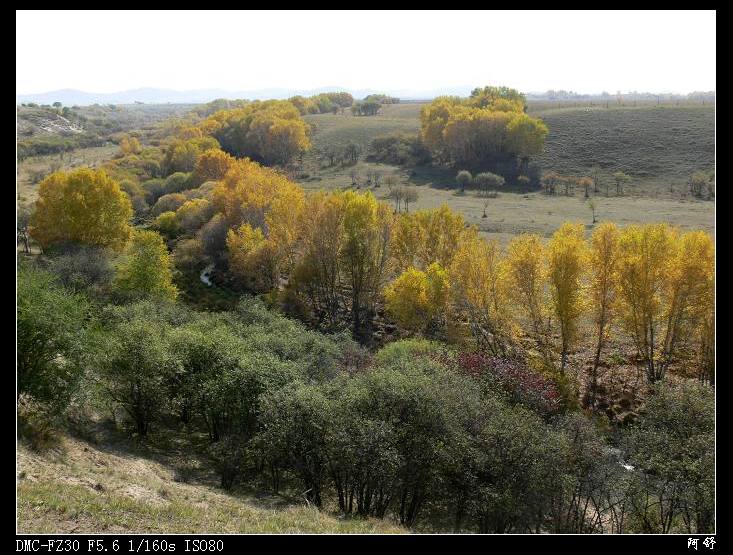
582, 51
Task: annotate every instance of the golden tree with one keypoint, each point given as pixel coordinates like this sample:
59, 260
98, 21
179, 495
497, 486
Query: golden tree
663, 282
566, 260
365, 252
318, 274
427, 236
84, 206
603, 266
526, 268
212, 165
479, 292
251, 258
418, 300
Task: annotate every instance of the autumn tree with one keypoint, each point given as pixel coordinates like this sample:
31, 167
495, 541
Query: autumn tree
181, 154
251, 259
427, 236
586, 183
212, 165
550, 181
145, 270
130, 145
485, 129
526, 268
271, 132
418, 300
319, 273
265, 199
479, 293
365, 252
566, 260
663, 279
84, 206
603, 268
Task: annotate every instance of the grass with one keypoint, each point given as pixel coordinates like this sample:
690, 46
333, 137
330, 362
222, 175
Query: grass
657, 146
84, 488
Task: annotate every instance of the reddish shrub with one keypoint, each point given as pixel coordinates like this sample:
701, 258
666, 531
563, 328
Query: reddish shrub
515, 379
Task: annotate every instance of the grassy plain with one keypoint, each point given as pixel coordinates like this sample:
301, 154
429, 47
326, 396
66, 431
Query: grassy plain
658, 146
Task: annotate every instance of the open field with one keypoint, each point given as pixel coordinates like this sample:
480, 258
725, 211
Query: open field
338, 129
658, 146
86, 488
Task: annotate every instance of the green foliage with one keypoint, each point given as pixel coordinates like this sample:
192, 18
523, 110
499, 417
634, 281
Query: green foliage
51, 323
673, 449
135, 359
145, 269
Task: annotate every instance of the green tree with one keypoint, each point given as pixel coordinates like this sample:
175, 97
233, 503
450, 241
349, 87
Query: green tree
51, 324
145, 269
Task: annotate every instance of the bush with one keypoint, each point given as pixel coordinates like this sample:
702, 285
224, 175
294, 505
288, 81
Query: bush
51, 323
168, 203
82, 268
135, 360
673, 448
399, 149
514, 379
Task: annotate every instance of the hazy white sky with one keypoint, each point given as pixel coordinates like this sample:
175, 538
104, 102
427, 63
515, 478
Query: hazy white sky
97, 51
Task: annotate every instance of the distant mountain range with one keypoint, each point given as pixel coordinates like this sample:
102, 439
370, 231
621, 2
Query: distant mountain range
148, 95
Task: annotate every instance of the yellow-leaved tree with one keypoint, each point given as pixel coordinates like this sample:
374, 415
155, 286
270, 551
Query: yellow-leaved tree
251, 258
318, 274
145, 269
427, 236
664, 280
418, 300
479, 293
603, 268
83, 206
566, 261
526, 270
212, 165
365, 253
264, 200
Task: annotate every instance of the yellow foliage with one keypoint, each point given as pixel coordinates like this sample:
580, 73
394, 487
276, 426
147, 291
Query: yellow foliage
567, 256
479, 292
416, 297
488, 125
83, 206
427, 236
212, 165
130, 145
251, 258
271, 132
526, 270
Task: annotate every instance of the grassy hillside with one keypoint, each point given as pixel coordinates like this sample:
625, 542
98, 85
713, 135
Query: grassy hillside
338, 129
84, 488
657, 146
